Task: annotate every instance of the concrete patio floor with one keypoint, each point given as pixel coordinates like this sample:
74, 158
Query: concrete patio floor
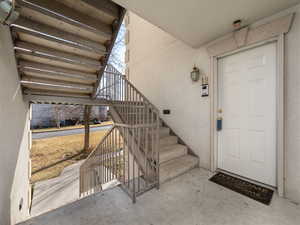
57, 192
188, 200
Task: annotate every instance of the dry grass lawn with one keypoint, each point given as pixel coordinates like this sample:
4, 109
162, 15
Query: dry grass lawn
70, 127
50, 150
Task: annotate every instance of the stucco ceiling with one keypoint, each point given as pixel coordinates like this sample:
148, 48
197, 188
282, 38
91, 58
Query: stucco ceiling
197, 22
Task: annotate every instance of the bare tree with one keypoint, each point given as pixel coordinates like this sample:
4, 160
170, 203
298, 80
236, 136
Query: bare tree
57, 115
117, 57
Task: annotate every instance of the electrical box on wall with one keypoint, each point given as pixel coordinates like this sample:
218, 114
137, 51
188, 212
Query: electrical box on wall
204, 90
166, 111
204, 87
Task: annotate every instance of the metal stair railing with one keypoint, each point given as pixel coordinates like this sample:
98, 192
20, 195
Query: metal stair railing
130, 106
137, 125
112, 160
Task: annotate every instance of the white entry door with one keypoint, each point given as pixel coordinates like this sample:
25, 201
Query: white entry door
247, 103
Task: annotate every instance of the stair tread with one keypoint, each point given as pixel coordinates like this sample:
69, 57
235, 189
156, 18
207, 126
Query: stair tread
172, 152
167, 137
171, 147
168, 140
176, 167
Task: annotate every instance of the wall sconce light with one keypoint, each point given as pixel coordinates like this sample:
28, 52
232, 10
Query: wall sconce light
8, 14
195, 74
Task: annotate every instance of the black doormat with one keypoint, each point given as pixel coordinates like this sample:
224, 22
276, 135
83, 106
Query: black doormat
256, 192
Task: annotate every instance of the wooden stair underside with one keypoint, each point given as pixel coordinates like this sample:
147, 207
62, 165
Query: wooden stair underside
62, 46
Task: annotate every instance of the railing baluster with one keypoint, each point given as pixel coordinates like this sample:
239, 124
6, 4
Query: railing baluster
110, 156
133, 169
105, 160
115, 157
124, 155
119, 156
128, 158
139, 144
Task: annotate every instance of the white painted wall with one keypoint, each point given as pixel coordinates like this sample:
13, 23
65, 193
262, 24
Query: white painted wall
14, 127
159, 65
293, 110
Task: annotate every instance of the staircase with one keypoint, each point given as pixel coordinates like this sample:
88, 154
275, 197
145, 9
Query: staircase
156, 154
62, 49
175, 158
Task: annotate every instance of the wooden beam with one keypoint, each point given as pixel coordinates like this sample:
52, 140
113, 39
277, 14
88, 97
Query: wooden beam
40, 51
42, 98
106, 58
87, 113
45, 71
68, 15
52, 34
106, 6
43, 84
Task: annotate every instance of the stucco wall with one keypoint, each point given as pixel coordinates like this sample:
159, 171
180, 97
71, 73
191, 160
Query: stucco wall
20, 191
293, 110
13, 136
159, 65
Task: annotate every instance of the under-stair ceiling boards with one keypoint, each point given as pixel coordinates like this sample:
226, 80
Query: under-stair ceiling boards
62, 46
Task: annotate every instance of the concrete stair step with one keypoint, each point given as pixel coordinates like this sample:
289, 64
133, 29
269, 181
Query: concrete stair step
168, 140
164, 131
177, 167
172, 152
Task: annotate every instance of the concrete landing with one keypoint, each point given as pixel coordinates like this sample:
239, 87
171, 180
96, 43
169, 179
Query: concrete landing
187, 200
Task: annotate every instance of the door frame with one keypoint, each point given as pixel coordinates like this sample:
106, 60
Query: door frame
280, 109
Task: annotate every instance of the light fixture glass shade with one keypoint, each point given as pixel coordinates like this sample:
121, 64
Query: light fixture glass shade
195, 74
7, 13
